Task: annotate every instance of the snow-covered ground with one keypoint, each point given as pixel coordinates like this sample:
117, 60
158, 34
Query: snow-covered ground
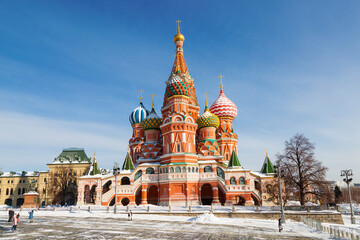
51, 224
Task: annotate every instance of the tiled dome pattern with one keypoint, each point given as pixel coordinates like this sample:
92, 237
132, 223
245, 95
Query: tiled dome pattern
152, 121
207, 119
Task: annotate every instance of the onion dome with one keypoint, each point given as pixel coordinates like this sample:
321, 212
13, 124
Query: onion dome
139, 114
152, 121
179, 37
224, 107
177, 86
207, 119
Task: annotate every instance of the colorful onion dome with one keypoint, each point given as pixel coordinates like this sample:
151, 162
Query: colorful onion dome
177, 86
224, 107
152, 121
139, 114
207, 119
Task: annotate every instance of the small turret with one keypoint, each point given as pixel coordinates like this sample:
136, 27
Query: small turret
268, 167
234, 161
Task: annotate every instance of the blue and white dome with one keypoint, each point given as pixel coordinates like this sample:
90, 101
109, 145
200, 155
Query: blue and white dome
139, 114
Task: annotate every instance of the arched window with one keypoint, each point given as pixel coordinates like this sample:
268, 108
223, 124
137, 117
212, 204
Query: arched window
189, 169
220, 173
7, 191
137, 175
125, 181
160, 170
232, 181
242, 181
178, 147
197, 169
193, 169
150, 170
178, 169
19, 191
208, 169
11, 191
171, 169
184, 169
166, 170
227, 156
23, 191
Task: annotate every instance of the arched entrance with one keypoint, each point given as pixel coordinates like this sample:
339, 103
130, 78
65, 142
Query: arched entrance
19, 202
222, 195
8, 202
112, 202
125, 201
93, 194
153, 195
240, 201
106, 186
256, 200
206, 194
138, 196
87, 198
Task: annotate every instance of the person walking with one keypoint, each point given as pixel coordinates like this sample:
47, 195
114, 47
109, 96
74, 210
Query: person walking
14, 223
31, 216
11, 214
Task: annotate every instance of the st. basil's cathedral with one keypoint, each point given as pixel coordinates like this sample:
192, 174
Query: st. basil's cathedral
182, 158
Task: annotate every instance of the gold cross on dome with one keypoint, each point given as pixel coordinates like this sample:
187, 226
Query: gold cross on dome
221, 77
141, 98
178, 23
205, 99
152, 96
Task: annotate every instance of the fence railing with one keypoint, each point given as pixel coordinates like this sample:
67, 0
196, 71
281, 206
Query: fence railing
335, 231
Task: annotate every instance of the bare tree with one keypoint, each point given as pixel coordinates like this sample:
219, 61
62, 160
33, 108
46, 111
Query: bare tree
62, 186
302, 171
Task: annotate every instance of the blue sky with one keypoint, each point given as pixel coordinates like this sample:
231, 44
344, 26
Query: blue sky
70, 72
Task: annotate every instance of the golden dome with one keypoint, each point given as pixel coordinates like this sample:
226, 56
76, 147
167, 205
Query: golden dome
179, 37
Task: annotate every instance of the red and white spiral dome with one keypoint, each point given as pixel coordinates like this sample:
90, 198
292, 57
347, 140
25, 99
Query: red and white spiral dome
224, 107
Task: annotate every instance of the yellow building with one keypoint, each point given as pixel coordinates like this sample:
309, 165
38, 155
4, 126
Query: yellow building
71, 161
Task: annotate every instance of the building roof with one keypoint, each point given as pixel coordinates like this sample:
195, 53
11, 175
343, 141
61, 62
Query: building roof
72, 155
19, 174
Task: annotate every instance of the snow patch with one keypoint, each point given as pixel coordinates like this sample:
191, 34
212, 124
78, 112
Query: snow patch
205, 218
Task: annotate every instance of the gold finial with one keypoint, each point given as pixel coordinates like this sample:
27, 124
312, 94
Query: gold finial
178, 23
267, 155
221, 77
141, 95
179, 36
94, 155
152, 96
206, 99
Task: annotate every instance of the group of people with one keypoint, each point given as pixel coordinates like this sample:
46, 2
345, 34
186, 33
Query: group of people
15, 218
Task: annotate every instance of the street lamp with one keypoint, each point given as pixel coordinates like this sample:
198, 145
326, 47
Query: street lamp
116, 171
279, 173
348, 173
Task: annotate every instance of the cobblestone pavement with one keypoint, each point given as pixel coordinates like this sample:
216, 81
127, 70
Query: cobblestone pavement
100, 228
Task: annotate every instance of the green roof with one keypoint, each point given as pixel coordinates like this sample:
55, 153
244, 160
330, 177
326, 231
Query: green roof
267, 167
94, 169
234, 160
73, 155
128, 163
